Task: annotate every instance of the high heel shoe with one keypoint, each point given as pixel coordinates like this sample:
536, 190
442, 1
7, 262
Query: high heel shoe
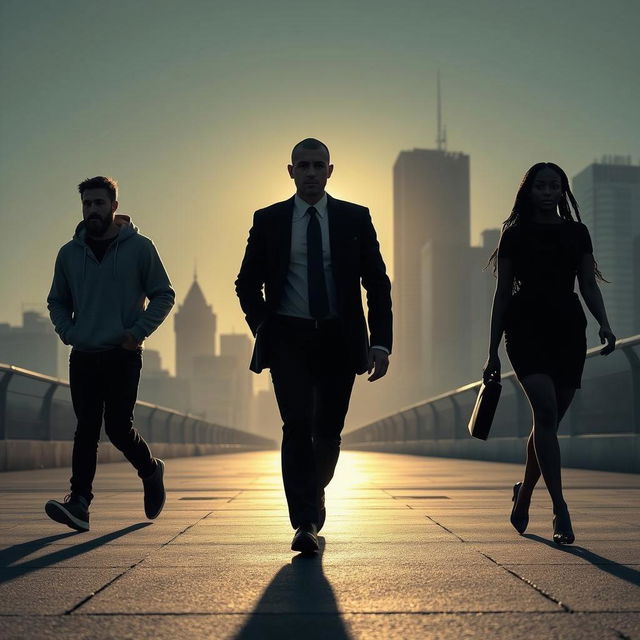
520, 524
562, 529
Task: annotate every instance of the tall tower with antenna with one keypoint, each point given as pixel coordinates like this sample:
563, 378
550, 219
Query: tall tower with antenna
431, 224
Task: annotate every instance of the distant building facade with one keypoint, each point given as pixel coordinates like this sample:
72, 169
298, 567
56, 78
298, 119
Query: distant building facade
266, 418
446, 315
608, 195
34, 346
160, 388
483, 284
220, 388
213, 389
431, 233
239, 346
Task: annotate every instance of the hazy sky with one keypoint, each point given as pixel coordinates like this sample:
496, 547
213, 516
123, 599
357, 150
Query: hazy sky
194, 105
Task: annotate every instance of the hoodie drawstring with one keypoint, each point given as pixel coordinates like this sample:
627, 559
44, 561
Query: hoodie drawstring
115, 259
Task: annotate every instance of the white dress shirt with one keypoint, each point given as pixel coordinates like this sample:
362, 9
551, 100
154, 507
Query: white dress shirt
295, 296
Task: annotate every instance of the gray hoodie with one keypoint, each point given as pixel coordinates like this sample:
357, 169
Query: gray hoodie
92, 304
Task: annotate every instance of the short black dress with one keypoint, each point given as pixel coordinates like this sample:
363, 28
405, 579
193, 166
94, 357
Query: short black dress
544, 323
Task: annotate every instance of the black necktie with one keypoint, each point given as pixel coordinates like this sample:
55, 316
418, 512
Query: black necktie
318, 298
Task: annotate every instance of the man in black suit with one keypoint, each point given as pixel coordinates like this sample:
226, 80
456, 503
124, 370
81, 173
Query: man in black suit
310, 253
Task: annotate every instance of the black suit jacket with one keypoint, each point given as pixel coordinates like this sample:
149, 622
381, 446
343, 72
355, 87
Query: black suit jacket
355, 257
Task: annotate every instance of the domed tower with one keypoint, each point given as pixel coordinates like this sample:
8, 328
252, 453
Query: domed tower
195, 327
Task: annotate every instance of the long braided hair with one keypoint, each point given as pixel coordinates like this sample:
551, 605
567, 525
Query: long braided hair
522, 210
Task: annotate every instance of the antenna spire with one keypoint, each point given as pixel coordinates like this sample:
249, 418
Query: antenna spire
441, 139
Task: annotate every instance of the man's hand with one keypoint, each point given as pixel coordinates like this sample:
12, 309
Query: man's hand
378, 363
606, 335
129, 342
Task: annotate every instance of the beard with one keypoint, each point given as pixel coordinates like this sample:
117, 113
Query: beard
97, 226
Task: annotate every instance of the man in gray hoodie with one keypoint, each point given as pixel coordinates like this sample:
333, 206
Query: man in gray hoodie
102, 279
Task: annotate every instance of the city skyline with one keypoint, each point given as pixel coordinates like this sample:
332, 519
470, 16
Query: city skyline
195, 109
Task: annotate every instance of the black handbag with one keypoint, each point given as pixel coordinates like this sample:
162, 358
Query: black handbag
485, 409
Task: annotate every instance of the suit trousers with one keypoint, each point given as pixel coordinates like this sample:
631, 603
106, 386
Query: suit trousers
313, 375
105, 383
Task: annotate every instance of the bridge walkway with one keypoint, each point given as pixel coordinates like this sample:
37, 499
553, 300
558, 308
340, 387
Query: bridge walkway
413, 547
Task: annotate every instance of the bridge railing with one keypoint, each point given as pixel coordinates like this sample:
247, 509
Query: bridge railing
601, 428
38, 407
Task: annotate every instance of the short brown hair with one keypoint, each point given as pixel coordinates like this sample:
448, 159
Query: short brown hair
100, 182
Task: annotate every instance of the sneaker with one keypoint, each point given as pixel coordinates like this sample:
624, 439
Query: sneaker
154, 493
74, 512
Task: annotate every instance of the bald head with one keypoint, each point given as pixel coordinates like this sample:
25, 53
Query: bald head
309, 144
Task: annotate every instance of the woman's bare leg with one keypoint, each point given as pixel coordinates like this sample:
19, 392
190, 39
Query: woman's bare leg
542, 396
564, 396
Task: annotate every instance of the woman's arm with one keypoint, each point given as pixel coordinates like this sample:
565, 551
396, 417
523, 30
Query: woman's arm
593, 299
501, 297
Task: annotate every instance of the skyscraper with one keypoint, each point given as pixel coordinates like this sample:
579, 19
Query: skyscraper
34, 346
431, 205
219, 387
160, 388
239, 346
482, 284
608, 195
195, 327
222, 387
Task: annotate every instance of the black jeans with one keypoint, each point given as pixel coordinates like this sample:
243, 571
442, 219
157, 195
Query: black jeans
313, 377
105, 382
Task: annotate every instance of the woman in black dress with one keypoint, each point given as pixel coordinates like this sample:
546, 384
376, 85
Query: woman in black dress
542, 249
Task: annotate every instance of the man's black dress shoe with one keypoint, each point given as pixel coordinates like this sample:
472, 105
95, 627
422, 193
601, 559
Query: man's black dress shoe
306, 538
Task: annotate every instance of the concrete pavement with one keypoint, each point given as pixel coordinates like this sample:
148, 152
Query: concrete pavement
413, 547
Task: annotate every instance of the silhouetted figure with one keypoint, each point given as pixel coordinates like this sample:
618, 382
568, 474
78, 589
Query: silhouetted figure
311, 252
97, 305
541, 250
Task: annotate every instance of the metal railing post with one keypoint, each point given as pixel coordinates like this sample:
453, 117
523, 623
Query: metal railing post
150, 423
457, 416
416, 418
183, 431
436, 419
405, 426
45, 410
4, 402
634, 364
167, 426
475, 391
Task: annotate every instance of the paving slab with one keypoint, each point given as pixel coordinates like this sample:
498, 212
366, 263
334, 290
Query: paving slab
36, 556
323, 627
413, 547
587, 588
308, 586
538, 551
50, 590
382, 556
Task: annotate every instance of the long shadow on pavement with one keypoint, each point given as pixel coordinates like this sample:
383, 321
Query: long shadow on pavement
604, 564
9, 570
298, 603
